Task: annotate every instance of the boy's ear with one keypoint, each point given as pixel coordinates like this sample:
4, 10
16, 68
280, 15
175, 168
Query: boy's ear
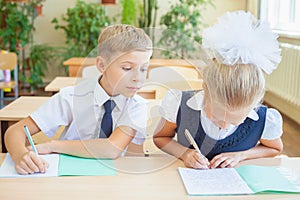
204, 87
100, 64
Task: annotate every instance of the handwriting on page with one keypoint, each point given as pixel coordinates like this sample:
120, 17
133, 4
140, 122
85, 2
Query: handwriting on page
213, 181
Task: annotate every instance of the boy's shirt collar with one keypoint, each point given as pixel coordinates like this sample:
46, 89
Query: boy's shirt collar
196, 102
101, 97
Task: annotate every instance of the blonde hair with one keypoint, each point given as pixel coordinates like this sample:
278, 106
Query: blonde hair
121, 38
238, 86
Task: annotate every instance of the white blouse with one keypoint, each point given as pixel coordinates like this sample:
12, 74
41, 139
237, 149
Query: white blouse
170, 105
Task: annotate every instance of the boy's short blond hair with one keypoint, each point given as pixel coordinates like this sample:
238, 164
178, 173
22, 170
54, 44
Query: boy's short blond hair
236, 87
121, 38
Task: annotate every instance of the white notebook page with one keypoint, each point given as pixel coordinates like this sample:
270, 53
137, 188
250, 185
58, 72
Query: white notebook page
7, 168
222, 181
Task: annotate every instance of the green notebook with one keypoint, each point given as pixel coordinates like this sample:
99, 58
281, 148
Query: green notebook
76, 166
64, 165
249, 179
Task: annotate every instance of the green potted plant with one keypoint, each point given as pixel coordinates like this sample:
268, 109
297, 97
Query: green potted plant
17, 23
129, 14
182, 27
15, 27
16, 33
82, 25
41, 56
148, 16
34, 8
39, 9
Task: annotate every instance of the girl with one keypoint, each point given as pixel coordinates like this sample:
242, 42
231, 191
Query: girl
226, 118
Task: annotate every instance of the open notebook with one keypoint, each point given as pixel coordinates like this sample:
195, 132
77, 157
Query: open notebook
64, 165
242, 180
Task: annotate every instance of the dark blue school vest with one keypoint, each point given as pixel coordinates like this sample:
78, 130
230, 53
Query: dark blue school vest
245, 136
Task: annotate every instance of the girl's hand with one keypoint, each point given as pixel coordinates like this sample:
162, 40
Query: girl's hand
193, 159
230, 159
30, 163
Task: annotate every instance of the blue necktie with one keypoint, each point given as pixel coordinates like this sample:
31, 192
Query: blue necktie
107, 122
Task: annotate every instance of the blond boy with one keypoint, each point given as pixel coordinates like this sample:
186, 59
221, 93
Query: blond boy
123, 57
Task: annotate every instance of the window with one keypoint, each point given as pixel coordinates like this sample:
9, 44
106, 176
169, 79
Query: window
283, 15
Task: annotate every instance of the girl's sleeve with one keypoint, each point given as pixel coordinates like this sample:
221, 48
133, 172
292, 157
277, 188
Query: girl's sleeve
273, 125
170, 104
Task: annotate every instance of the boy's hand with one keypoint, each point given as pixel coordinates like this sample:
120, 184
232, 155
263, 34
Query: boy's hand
230, 159
43, 148
30, 163
194, 160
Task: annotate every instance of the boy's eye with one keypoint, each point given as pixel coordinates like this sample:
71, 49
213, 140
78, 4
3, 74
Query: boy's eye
126, 68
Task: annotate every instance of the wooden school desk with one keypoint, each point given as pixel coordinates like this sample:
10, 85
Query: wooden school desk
17, 110
146, 178
151, 90
76, 64
60, 81
148, 92
24, 106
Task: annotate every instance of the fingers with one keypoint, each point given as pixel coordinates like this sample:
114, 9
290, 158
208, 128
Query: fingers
40, 163
198, 161
195, 160
203, 160
223, 160
26, 165
30, 163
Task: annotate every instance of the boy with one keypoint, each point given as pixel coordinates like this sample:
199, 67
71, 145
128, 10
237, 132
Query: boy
123, 57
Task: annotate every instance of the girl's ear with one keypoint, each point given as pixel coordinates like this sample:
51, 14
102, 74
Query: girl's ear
100, 64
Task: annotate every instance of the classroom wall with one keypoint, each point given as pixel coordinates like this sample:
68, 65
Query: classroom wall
45, 32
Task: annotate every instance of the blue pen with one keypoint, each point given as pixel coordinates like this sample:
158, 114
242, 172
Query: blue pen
30, 140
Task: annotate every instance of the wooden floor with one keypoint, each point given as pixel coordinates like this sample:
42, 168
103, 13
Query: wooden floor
291, 137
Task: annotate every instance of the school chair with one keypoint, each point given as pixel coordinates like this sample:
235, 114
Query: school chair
161, 88
174, 74
166, 74
90, 72
189, 84
9, 61
179, 65
149, 148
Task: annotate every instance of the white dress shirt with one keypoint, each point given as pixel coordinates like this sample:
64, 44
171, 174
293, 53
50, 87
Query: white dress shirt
80, 109
171, 102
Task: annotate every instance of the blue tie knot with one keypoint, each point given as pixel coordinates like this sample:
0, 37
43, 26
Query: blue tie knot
109, 106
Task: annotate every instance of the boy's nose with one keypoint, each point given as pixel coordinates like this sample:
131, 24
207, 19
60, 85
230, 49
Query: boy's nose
139, 76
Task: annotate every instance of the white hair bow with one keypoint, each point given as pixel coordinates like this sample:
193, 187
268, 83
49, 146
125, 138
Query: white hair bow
237, 38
